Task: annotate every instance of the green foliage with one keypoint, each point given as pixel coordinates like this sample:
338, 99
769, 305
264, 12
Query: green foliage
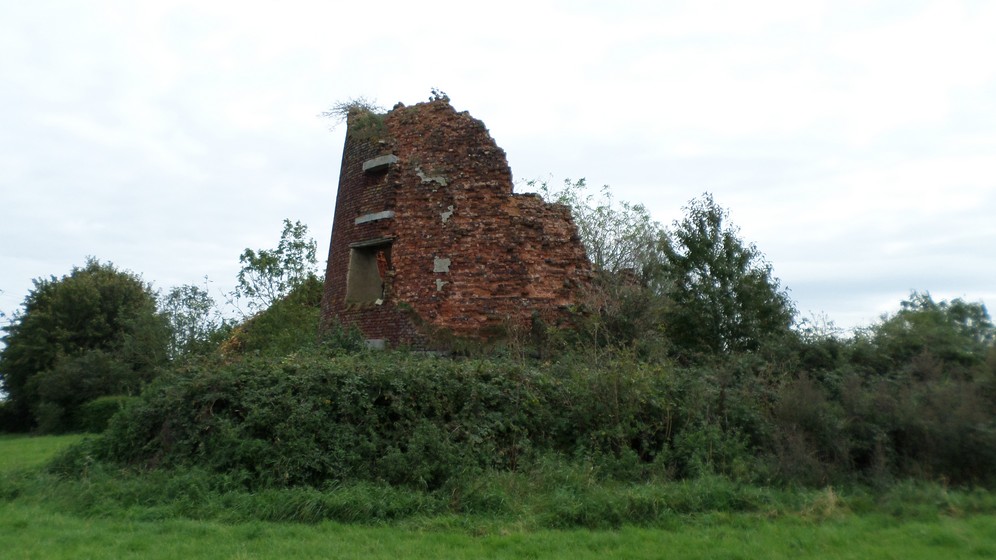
93, 332
619, 312
625, 305
909, 396
326, 412
96, 414
268, 275
195, 323
809, 440
342, 110
618, 237
13, 419
956, 335
308, 419
547, 492
365, 118
63, 390
314, 417
724, 298
287, 325
924, 400
697, 289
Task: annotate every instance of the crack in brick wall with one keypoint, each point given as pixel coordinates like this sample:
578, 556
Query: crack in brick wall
457, 251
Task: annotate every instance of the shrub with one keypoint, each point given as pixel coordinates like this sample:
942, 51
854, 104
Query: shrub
420, 421
12, 419
311, 418
330, 414
287, 325
810, 446
96, 414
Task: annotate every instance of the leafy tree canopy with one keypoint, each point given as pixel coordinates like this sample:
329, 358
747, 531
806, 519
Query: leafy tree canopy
956, 333
725, 297
268, 275
617, 235
93, 332
194, 319
710, 292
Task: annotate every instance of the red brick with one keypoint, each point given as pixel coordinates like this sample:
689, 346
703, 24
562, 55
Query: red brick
510, 256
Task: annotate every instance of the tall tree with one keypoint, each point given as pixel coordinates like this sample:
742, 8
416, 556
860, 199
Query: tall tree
91, 333
193, 317
725, 299
270, 274
698, 283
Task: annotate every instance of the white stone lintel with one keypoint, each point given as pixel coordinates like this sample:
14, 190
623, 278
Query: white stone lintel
384, 215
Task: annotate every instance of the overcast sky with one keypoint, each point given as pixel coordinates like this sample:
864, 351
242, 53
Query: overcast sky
854, 142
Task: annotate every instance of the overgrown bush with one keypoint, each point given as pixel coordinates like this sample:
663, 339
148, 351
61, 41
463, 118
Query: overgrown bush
11, 420
288, 325
311, 418
96, 414
315, 416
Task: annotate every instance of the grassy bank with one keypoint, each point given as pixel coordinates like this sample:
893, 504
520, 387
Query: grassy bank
169, 516
32, 532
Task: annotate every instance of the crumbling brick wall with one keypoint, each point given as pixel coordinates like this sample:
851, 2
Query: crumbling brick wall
428, 237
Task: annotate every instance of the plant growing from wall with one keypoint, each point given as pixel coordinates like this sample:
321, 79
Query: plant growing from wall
366, 119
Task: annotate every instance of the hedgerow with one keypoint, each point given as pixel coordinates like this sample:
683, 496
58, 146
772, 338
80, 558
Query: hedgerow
311, 418
317, 417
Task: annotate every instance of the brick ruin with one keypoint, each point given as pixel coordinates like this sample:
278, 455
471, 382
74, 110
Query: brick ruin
430, 243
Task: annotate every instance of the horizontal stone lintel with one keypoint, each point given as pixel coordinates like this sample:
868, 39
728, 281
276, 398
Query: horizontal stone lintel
371, 242
379, 163
375, 343
386, 214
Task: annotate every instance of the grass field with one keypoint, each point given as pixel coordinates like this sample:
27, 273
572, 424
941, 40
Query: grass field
31, 527
18, 451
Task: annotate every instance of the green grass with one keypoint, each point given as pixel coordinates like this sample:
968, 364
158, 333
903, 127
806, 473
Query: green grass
33, 532
104, 516
19, 451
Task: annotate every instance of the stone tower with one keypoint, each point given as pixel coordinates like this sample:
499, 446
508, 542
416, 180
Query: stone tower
428, 240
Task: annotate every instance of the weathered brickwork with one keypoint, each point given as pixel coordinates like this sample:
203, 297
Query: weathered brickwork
432, 240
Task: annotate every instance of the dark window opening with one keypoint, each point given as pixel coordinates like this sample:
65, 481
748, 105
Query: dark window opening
369, 267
